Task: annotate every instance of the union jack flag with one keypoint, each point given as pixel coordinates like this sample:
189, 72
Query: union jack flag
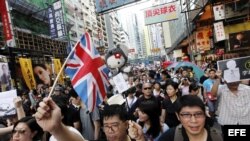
88, 73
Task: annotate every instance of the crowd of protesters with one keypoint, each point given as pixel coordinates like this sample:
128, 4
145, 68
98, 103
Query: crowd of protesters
161, 104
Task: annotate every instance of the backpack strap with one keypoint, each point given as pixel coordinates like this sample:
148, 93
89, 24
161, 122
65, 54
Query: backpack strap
178, 134
215, 134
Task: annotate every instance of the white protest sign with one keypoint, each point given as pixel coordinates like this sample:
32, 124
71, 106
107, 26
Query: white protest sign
235, 69
120, 83
7, 107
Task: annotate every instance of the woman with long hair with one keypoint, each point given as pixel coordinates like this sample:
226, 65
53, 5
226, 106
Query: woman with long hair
26, 129
149, 118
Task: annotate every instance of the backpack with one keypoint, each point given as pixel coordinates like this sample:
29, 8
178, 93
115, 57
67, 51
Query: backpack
215, 135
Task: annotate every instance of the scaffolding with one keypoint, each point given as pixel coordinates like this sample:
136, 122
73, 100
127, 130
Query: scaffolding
31, 28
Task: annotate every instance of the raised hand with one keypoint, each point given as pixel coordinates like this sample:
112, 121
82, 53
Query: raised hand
17, 102
219, 73
135, 131
48, 115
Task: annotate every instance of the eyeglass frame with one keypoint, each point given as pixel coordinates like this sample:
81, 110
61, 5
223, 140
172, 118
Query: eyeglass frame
114, 127
197, 115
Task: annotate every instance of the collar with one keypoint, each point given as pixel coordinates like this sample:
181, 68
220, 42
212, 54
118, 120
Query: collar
240, 87
76, 106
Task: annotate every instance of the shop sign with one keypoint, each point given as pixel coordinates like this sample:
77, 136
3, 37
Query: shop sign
56, 20
154, 50
202, 39
105, 5
219, 12
219, 31
7, 29
161, 13
235, 69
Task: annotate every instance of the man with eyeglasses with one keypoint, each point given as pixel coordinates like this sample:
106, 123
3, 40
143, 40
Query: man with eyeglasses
115, 124
191, 113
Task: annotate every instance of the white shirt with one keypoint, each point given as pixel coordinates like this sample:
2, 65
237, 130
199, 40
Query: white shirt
52, 138
234, 109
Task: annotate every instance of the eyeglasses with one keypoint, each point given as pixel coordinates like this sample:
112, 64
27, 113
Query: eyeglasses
114, 127
18, 131
189, 115
147, 88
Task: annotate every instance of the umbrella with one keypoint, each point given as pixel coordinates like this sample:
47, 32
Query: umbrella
166, 64
197, 70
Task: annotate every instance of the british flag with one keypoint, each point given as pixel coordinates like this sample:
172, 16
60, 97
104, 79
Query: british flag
88, 73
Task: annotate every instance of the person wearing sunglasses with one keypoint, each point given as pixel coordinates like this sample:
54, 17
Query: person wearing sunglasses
190, 111
26, 129
147, 91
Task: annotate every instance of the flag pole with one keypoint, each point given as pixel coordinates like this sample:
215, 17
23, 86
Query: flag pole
58, 75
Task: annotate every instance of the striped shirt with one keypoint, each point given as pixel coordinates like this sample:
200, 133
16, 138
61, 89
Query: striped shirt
234, 109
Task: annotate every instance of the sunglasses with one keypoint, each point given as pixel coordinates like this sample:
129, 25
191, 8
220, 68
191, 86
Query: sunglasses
147, 88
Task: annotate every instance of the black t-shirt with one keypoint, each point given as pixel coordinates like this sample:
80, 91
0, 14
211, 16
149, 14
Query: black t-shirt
171, 118
168, 135
73, 115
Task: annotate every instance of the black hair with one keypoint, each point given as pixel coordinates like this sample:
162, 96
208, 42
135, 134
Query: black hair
115, 110
152, 109
32, 124
151, 73
172, 83
62, 102
212, 70
164, 72
190, 67
73, 93
193, 86
189, 101
157, 82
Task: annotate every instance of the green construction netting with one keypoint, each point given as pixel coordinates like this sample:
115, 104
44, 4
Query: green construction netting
23, 21
41, 3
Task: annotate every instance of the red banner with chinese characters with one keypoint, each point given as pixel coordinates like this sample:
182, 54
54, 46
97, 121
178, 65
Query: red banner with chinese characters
6, 23
202, 39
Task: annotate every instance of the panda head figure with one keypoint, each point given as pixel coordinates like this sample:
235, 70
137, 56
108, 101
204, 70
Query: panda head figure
116, 58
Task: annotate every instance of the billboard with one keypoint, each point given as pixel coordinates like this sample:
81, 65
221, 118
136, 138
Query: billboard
161, 13
105, 5
239, 40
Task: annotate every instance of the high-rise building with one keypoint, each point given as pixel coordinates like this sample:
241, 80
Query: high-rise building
113, 26
133, 25
81, 18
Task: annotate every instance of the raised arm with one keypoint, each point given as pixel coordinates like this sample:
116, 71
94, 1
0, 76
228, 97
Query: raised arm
5, 130
49, 116
216, 84
19, 107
